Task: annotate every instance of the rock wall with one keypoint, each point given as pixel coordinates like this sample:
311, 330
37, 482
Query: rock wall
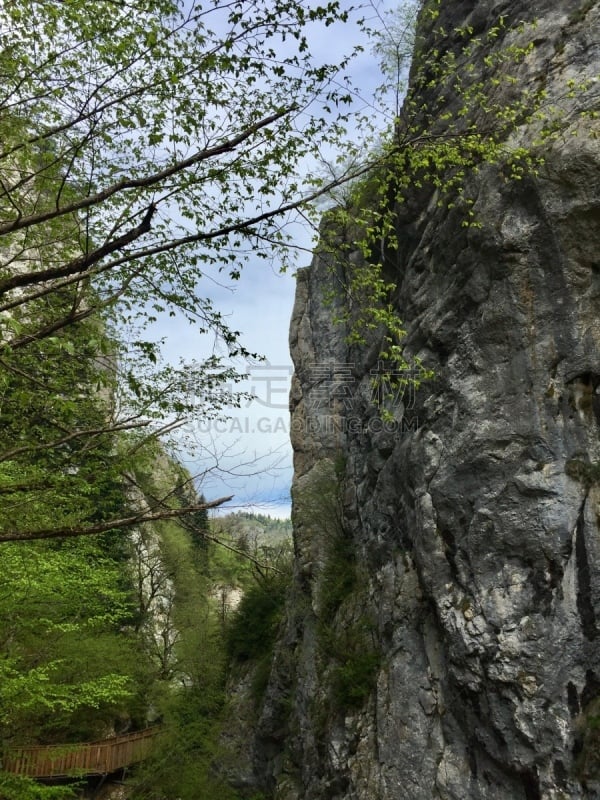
469, 527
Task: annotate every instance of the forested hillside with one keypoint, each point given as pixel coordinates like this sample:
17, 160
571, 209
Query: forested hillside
107, 634
250, 528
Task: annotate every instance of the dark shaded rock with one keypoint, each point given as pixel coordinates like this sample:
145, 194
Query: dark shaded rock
476, 528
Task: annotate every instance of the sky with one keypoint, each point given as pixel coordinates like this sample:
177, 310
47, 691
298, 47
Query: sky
249, 455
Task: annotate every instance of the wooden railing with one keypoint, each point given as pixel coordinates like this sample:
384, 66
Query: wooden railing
91, 758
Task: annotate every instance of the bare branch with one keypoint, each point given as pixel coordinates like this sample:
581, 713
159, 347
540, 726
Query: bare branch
200, 531
79, 434
102, 527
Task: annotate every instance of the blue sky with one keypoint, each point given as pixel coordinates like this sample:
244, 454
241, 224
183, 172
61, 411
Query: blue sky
249, 455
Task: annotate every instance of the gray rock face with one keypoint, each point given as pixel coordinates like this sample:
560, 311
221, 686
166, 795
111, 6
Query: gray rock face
472, 523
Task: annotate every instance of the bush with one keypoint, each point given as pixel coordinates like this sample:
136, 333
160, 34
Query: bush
354, 680
253, 627
19, 787
183, 764
339, 578
350, 646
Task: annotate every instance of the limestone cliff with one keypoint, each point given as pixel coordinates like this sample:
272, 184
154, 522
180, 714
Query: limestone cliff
466, 606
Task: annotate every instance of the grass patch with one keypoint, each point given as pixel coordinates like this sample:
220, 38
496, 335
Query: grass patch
587, 748
349, 647
355, 677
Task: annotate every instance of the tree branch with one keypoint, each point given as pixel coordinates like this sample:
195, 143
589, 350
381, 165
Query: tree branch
126, 425
201, 531
82, 263
142, 183
102, 527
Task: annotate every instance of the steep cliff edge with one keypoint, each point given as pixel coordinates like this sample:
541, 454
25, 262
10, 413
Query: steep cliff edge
443, 638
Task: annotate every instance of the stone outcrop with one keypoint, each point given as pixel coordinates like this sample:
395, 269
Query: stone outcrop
469, 525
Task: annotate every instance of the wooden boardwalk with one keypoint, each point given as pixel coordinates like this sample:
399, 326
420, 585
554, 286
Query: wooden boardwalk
91, 758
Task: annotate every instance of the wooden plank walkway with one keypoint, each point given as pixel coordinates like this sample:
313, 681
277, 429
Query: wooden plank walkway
91, 758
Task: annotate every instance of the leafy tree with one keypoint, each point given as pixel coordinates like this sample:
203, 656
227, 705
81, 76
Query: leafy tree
150, 127
252, 631
98, 633
147, 146
189, 662
68, 667
67, 452
184, 763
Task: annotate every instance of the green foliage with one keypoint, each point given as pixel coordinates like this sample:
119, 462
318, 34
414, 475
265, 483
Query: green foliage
585, 472
13, 787
318, 504
346, 640
262, 572
132, 156
249, 529
246, 551
252, 629
183, 763
58, 461
462, 113
354, 678
68, 667
254, 625
192, 701
339, 578
79, 657
349, 657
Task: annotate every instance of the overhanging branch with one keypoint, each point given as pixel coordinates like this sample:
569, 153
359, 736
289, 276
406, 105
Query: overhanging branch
103, 527
142, 183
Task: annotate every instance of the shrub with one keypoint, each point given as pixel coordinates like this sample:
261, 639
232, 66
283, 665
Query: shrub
354, 679
253, 627
339, 578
